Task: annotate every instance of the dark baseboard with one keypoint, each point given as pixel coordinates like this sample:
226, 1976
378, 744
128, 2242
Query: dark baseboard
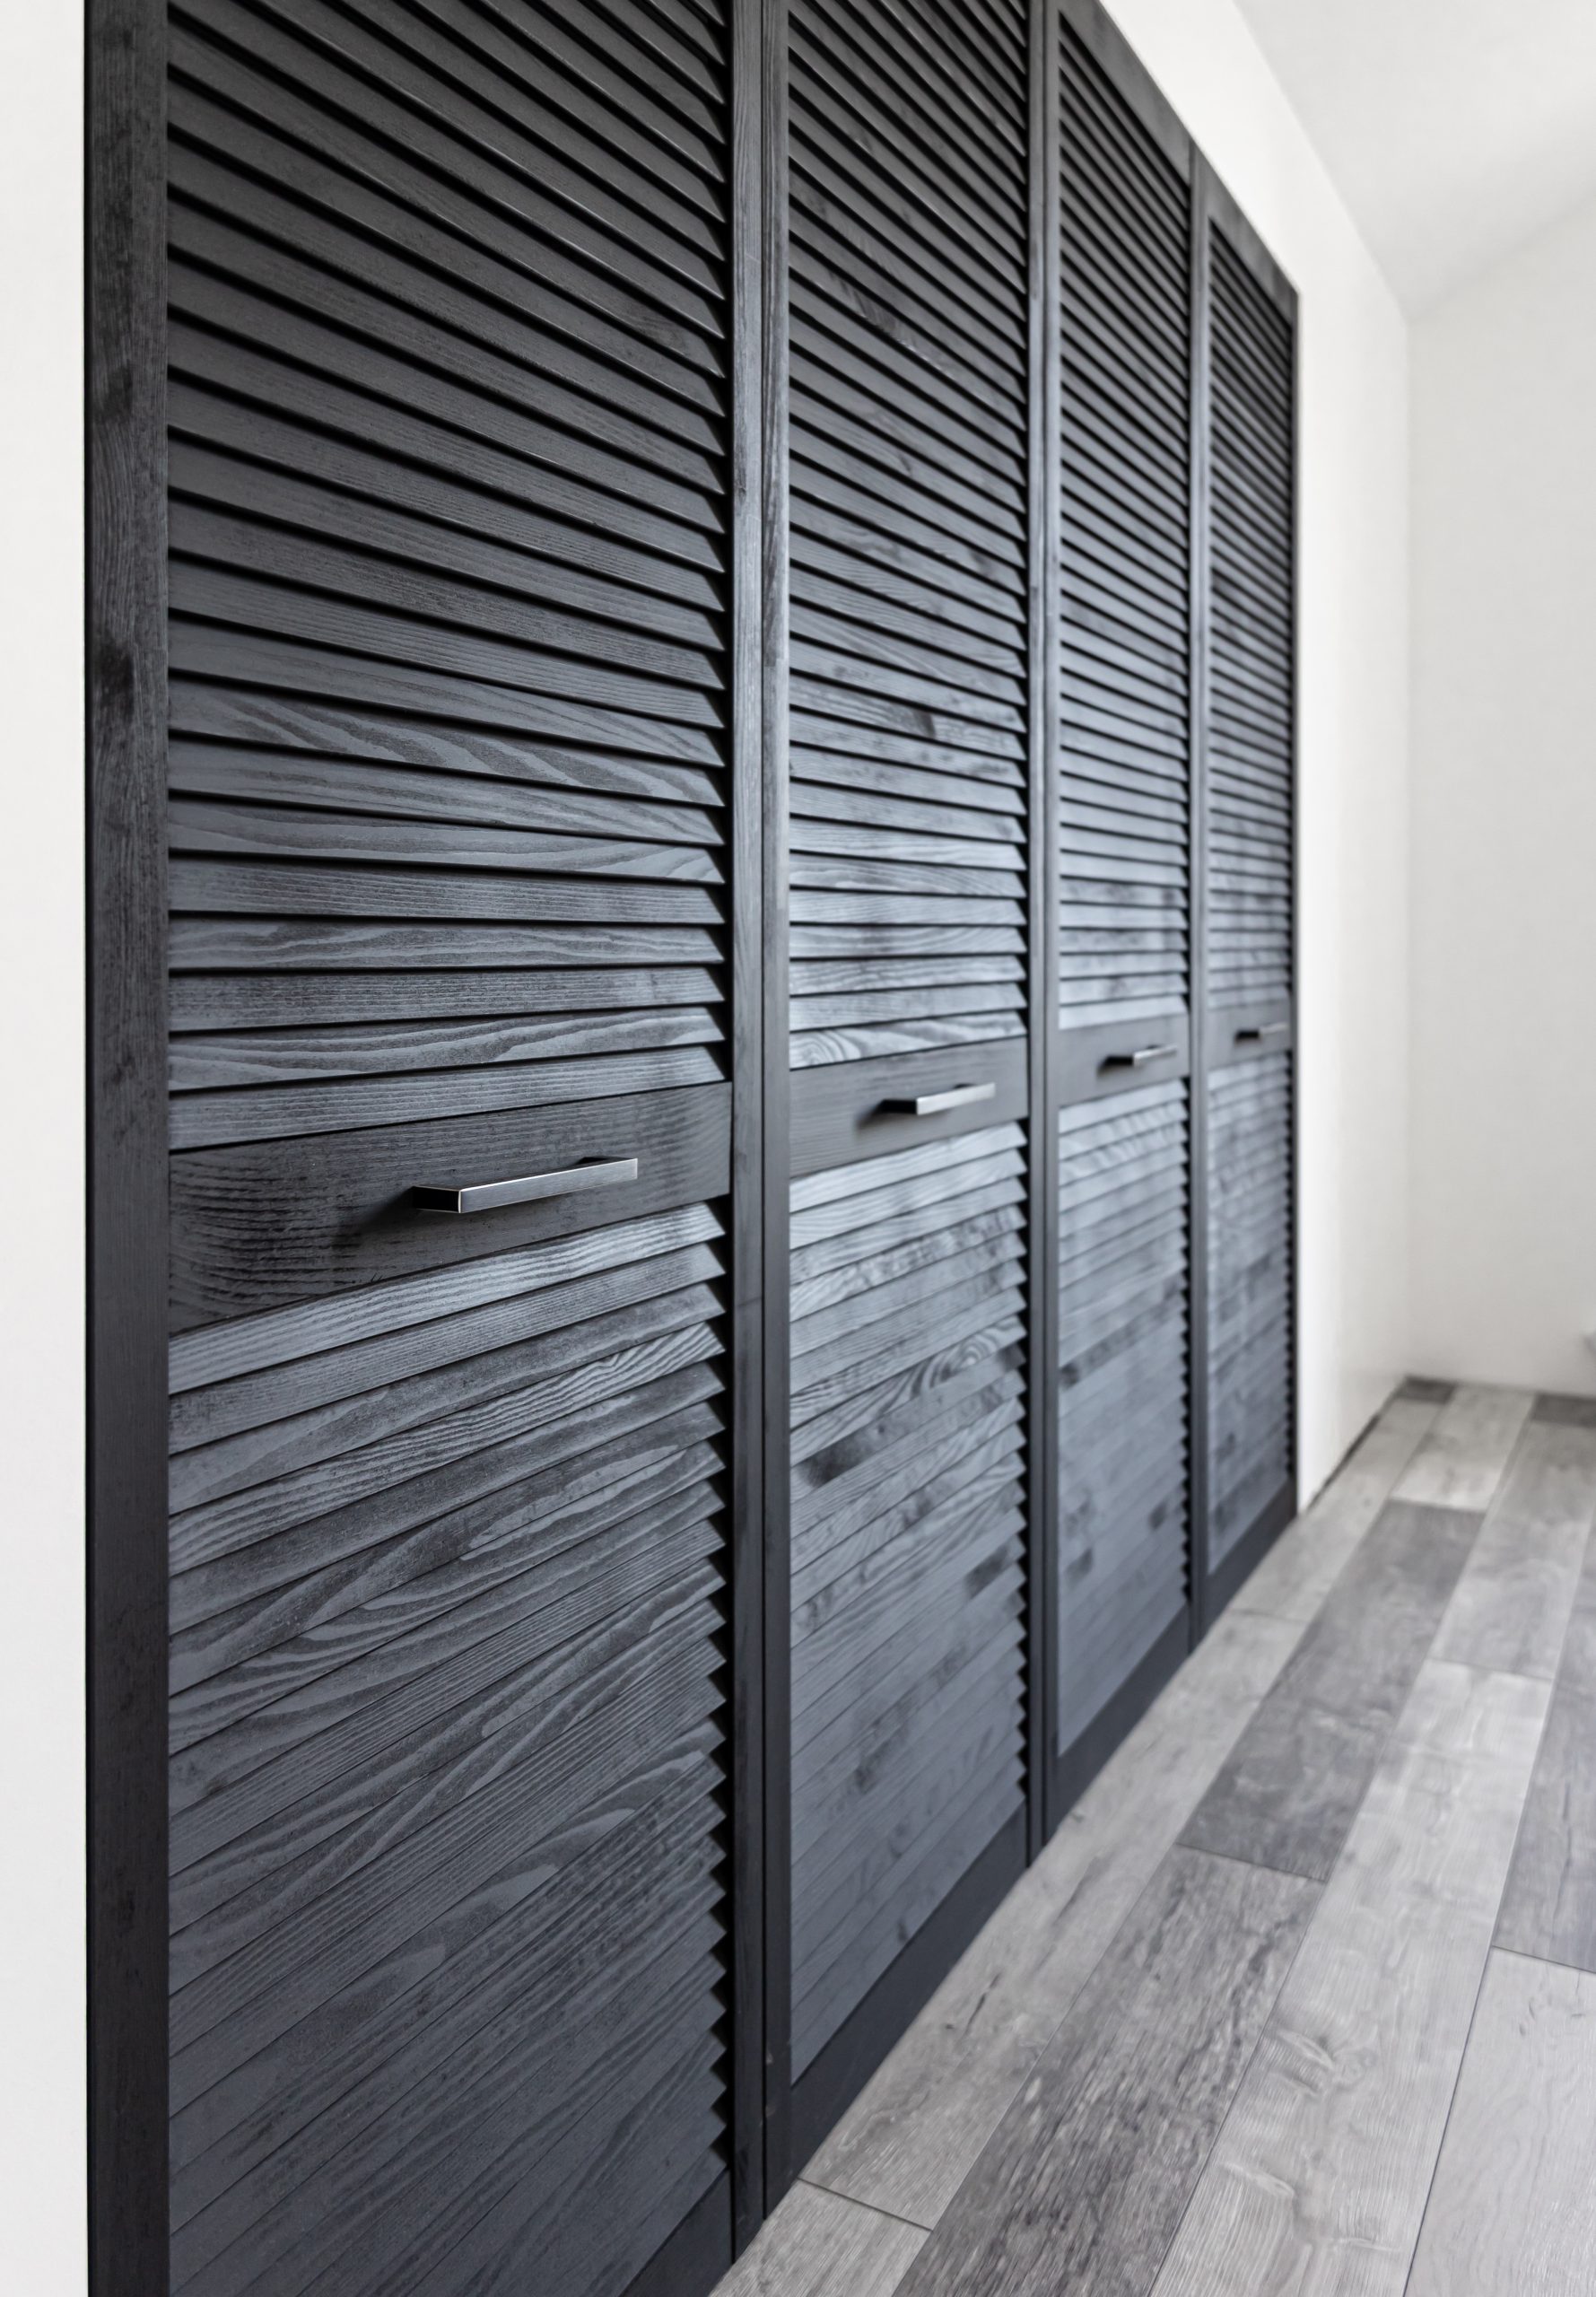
1074, 1770
696, 2255
827, 2089
1249, 1551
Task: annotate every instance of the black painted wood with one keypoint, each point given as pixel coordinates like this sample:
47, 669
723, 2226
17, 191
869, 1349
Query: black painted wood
775, 1177
1246, 1018
538, 410
909, 332
1125, 900
907, 1522
465, 334
126, 965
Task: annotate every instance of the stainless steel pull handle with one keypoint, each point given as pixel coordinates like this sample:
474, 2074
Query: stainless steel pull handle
1262, 1032
956, 1096
486, 1196
1141, 1057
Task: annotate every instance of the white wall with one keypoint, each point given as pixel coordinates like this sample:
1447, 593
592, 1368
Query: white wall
42, 2248
1504, 820
1353, 831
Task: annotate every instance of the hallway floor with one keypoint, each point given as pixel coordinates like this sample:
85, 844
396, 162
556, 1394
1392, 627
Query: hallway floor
1302, 1996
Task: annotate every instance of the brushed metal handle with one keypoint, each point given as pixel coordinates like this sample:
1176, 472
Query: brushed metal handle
956, 1096
1141, 1057
486, 1196
1262, 1031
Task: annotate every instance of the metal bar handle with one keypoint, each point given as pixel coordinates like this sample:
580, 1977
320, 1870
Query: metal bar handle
1259, 1032
956, 1096
1141, 1057
487, 1196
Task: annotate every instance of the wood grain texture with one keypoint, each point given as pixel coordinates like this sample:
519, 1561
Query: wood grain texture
449, 553
1123, 1343
907, 1513
1251, 673
446, 1793
1085, 2178
1319, 2176
1293, 1787
1124, 829
464, 757
917, 2128
1248, 1281
125, 1148
1513, 2205
816, 2243
1549, 1907
909, 335
1304, 1563
1511, 1608
1462, 1460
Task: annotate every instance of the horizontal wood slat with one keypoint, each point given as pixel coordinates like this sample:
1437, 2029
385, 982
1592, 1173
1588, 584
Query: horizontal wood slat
908, 1437
450, 412
449, 1730
909, 534
1123, 1341
1124, 890
1250, 697
1250, 1276
450, 426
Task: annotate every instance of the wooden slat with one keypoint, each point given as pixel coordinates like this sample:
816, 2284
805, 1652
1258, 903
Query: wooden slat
909, 440
1123, 1332
453, 581
907, 1521
1125, 331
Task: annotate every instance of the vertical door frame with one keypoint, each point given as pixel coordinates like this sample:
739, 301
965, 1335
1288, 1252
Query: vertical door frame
750, 1040
1042, 883
776, 1087
1196, 912
1069, 1770
126, 1368
1213, 204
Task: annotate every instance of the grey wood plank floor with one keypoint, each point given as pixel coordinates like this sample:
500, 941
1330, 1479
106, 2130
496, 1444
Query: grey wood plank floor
1513, 2205
1165, 2065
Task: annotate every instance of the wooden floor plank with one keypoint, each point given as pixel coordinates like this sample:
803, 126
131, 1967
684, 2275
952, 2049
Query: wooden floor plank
817, 2244
1514, 2205
919, 2125
1510, 1610
1549, 1905
1318, 2179
1290, 1791
1462, 1460
1305, 1561
1085, 2180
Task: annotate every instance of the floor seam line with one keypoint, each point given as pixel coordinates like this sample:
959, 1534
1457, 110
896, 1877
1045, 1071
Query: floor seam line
1543, 1961
894, 2216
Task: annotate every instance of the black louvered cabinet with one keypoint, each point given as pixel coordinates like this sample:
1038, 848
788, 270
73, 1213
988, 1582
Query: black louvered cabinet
912, 897
453, 796
715, 872
1247, 448
1127, 864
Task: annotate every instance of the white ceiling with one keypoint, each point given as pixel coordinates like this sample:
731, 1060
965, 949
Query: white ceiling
1454, 129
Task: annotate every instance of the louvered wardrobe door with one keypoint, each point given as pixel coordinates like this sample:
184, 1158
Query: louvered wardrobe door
1125, 896
451, 766
907, 1532
909, 535
1249, 877
909, 921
